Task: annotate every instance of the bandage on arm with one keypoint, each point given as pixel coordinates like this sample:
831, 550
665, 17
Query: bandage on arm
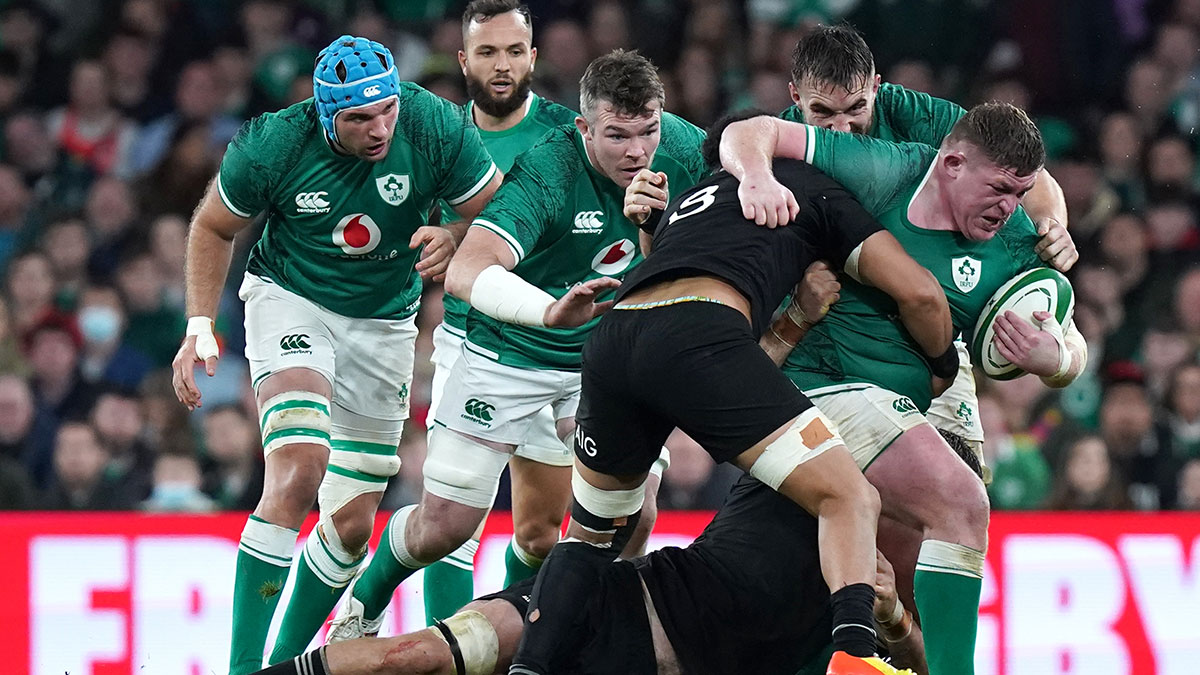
1073, 356
206, 343
507, 297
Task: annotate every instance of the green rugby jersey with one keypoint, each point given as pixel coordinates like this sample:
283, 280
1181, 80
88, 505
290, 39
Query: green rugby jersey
861, 340
504, 146
338, 227
563, 221
903, 115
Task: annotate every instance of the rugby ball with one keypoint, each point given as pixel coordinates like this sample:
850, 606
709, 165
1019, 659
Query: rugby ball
1043, 289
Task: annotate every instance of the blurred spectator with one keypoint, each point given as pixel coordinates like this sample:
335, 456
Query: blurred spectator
12, 359
10, 83
608, 26
564, 51
199, 108
693, 481
168, 245
234, 477
1121, 148
1170, 168
154, 326
66, 245
168, 427
1090, 201
89, 129
1146, 95
129, 58
25, 436
697, 96
25, 26
15, 199
16, 487
176, 184
177, 482
916, 75
30, 290
1179, 433
1020, 475
80, 483
111, 212
118, 422
1187, 304
107, 357
1127, 429
1188, 497
1086, 481
53, 346
235, 73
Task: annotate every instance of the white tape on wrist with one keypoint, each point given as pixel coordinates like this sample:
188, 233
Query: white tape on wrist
206, 343
503, 295
1052, 327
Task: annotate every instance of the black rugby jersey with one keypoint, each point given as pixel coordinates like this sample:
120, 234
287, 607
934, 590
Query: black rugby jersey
703, 232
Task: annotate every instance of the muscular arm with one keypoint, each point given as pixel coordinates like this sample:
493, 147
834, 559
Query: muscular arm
883, 263
1047, 208
209, 250
748, 146
471, 208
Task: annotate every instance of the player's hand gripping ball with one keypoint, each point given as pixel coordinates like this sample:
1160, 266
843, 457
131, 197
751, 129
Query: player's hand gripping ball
1040, 290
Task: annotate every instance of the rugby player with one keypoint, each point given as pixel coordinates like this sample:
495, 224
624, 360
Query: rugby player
957, 211
745, 597
497, 60
331, 290
680, 349
537, 267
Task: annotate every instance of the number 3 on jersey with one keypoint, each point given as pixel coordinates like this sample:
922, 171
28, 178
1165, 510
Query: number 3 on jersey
701, 200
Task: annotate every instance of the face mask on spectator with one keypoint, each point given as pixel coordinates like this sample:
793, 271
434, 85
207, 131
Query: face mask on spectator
176, 496
99, 325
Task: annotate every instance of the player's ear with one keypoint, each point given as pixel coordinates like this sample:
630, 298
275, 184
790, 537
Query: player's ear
532, 58
878, 81
953, 163
462, 61
794, 94
582, 125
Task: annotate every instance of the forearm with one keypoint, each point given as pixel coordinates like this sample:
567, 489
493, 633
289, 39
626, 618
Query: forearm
747, 147
927, 319
783, 336
480, 276
1076, 347
205, 269
1045, 200
905, 644
457, 229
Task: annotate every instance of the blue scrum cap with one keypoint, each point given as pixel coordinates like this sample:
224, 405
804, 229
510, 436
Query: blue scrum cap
350, 73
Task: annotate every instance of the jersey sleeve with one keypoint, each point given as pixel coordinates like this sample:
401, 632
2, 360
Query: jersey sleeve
917, 116
1019, 235
452, 144
681, 140
531, 196
247, 176
876, 172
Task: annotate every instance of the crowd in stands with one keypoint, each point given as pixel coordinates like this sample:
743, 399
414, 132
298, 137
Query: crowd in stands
114, 115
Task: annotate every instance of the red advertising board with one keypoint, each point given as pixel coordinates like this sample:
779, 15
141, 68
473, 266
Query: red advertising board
119, 594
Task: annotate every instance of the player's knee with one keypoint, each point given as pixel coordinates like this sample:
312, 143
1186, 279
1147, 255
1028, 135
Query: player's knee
462, 470
969, 507
436, 530
536, 538
354, 531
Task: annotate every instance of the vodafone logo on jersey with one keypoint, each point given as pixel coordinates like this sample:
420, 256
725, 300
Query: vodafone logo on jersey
614, 258
356, 234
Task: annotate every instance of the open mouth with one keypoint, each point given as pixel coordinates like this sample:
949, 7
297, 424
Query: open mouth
501, 86
376, 150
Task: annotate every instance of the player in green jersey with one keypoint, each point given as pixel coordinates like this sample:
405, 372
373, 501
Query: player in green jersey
497, 60
957, 211
834, 85
331, 293
557, 225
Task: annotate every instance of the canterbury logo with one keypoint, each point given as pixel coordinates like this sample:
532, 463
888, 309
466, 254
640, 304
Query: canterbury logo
312, 202
297, 341
372, 90
588, 222
904, 406
479, 409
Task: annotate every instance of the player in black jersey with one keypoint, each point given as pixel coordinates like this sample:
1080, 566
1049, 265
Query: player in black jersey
680, 349
745, 597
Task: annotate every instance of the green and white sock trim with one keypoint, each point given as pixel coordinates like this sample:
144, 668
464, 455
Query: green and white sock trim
528, 559
463, 557
947, 558
396, 538
269, 543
